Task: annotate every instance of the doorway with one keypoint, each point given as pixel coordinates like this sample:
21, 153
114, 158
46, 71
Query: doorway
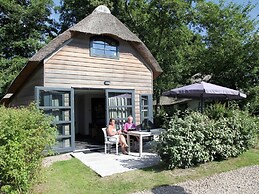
89, 118
98, 118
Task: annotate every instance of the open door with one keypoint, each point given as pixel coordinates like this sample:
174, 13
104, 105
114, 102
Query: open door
59, 102
119, 105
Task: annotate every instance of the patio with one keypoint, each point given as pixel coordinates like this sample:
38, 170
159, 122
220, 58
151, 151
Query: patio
109, 164
93, 156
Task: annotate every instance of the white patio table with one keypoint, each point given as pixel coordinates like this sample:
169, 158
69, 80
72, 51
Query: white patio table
141, 134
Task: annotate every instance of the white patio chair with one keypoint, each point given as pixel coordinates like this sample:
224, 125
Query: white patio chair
109, 141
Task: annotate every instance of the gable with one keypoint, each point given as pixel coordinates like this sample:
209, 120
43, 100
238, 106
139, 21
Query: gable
73, 66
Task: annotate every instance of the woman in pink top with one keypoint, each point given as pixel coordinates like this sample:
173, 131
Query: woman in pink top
129, 124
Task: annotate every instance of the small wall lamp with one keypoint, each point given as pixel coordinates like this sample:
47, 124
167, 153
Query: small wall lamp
107, 83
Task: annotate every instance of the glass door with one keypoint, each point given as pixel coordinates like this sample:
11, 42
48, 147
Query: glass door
59, 103
119, 105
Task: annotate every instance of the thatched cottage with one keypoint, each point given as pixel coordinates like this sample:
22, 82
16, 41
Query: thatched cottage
95, 70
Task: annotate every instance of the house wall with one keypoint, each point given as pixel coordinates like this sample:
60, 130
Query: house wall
72, 66
193, 104
26, 93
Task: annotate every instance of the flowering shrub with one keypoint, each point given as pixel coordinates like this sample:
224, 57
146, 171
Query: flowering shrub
196, 138
24, 134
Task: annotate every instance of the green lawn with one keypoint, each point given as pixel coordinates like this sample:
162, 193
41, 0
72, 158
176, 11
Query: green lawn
74, 177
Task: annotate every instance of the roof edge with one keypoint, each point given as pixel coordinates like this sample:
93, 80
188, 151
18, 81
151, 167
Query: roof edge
147, 55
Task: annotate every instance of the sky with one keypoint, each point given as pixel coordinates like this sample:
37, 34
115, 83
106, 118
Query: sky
253, 14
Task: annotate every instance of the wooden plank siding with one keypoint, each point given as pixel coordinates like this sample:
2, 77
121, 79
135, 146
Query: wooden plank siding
72, 66
26, 93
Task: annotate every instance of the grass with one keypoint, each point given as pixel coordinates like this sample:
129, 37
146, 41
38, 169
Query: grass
74, 177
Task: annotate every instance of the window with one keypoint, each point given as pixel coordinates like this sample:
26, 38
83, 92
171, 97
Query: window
103, 46
146, 111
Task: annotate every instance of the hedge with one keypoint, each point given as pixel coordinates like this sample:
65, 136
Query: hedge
196, 138
24, 135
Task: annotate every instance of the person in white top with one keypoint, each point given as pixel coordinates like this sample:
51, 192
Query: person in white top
111, 131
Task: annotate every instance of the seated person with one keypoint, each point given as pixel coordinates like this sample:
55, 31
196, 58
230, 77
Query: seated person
129, 124
112, 132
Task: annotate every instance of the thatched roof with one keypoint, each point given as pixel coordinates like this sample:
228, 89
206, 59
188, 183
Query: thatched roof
98, 23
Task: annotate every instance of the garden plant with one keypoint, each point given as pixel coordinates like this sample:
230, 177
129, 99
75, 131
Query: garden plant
24, 135
193, 138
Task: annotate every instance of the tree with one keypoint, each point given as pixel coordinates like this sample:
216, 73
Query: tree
231, 46
9, 70
25, 27
71, 12
164, 28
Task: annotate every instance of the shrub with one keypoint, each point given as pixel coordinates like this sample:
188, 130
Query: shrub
245, 128
234, 131
161, 119
24, 134
218, 110
252, 100
196, 138
183, 144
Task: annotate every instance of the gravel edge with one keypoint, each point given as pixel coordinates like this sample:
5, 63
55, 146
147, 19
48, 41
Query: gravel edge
48, 161
239, 181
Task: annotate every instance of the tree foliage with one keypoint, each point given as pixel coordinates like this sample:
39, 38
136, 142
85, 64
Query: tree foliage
9, 70
231, 48
71, 12
163, 27
25, 26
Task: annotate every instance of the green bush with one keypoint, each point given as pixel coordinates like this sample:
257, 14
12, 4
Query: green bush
196, 138
234, 131
160, 119
252, 100
24, 134
183, 144
218, 110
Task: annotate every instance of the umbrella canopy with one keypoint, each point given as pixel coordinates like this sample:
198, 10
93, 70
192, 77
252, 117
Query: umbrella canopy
205, 90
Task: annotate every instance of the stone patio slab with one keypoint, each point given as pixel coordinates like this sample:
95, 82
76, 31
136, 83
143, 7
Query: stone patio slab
109, 164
